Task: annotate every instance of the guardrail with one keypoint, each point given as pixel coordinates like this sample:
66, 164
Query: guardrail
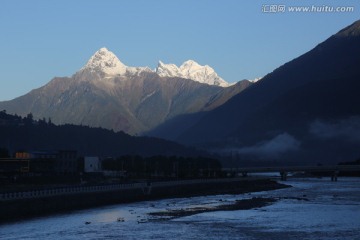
67, 191
101, 188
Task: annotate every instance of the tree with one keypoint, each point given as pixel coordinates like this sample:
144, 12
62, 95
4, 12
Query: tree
29, 119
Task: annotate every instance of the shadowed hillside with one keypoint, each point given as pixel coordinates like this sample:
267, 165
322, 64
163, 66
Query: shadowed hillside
307, 109
19, 133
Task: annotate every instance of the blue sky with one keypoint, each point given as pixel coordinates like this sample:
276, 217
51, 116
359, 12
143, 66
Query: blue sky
43, 39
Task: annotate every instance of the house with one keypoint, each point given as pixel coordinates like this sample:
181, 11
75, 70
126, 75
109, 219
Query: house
92, 165
58, 162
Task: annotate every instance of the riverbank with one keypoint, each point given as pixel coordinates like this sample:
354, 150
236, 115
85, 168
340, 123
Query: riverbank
26, 208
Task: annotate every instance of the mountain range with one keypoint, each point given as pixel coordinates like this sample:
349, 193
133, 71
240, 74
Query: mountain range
106, 93
305, 111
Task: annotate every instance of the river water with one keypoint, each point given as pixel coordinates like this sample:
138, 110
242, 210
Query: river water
312, 209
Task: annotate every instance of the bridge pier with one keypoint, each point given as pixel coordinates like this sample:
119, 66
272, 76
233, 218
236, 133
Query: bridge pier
283, 176
334, 176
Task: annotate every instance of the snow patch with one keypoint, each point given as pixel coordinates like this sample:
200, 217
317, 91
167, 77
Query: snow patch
147, 96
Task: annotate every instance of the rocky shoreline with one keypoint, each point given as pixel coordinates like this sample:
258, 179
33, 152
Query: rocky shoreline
244, 204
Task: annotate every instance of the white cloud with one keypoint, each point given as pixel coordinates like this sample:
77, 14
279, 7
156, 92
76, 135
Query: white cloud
347, 129
272, 148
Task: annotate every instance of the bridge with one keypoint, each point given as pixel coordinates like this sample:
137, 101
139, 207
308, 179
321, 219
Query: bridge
334, 170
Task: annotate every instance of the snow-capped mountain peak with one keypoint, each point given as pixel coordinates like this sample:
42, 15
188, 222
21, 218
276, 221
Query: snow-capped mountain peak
190, 66
255, 80
106, 62
191, 70
167, 70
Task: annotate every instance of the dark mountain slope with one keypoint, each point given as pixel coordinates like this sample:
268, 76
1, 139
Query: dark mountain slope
321, 84
175, 126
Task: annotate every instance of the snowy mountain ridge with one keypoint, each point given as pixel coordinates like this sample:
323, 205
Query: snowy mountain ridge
107, 63
191, 70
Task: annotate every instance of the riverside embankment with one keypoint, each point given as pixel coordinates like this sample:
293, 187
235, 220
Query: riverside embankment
25, 204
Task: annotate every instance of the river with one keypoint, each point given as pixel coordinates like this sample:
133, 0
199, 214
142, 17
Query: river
313, 208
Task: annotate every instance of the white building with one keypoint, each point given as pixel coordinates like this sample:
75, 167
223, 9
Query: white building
92, 164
